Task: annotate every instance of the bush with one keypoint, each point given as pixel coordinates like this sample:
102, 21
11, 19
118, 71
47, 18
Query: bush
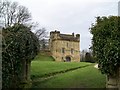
89, 58
18, 44
106, 43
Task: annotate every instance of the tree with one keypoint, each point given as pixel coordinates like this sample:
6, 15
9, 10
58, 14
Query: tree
12, 13
41, 33
19, 44
82, 55
87, 57
42, 36
106, 44
19, 47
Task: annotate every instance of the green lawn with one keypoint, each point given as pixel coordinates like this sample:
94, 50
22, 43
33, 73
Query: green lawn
43, 57
87, 77
41, 68
84, 77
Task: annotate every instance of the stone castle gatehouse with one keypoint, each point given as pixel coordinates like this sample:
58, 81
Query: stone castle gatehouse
65, 47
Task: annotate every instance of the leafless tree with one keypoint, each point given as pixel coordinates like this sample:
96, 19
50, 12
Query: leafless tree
12, 13
42, 34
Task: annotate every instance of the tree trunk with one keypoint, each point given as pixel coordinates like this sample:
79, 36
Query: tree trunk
113, 81
25, 74
28, 69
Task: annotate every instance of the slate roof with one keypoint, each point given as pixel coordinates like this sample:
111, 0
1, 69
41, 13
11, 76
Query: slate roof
68, 37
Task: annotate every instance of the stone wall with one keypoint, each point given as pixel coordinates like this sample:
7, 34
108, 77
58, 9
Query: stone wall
114, 80
71, 48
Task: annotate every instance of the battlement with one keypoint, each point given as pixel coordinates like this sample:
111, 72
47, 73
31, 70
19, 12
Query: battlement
69, 37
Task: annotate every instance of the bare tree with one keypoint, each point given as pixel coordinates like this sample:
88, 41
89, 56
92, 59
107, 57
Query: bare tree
42, 35
12, 13
83, 52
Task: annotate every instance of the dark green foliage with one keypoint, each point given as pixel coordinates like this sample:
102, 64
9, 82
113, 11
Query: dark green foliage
106, 43
18, 44
89, 58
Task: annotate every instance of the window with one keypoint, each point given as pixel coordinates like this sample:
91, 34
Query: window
63, 50
67, 44
72, 50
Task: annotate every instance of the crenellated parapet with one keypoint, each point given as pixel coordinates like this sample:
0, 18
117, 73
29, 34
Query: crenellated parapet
70, 37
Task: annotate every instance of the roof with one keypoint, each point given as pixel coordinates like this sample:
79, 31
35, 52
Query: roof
68, 37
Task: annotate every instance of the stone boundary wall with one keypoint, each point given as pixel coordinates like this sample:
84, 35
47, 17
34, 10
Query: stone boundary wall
113, 81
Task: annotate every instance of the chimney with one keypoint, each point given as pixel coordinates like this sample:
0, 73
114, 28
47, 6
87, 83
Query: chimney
78, 36
73, 34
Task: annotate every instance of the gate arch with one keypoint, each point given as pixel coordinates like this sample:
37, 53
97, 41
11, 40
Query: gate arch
68, 58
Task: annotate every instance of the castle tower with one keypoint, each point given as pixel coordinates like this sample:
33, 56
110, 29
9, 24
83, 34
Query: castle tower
65, 47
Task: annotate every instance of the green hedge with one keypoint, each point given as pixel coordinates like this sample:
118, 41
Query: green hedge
106, 43
18, 43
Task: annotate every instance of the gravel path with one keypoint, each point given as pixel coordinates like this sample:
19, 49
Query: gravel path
96, 66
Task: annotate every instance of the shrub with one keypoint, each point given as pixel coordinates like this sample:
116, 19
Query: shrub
106, 43
18, 44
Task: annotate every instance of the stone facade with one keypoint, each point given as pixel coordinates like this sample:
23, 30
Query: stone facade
65, 47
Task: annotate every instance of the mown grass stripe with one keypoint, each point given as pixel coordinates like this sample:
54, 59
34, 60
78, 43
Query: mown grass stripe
49, 75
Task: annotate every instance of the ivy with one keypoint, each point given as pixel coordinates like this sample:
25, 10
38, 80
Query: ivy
18, 43
106, 43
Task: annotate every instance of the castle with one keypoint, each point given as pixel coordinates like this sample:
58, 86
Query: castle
65, 47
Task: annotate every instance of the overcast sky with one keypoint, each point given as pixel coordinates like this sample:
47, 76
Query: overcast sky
70, 16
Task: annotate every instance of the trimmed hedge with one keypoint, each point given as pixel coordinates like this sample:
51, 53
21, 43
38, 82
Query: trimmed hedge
18, 43
106, 43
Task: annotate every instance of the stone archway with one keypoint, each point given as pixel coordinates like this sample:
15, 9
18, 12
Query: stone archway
68, 59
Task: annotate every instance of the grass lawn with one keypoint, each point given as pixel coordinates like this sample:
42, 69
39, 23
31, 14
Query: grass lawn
87, 77
42, 68
43, 57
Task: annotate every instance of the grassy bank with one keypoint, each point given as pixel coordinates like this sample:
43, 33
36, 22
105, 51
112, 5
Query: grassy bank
87, 77
82, 77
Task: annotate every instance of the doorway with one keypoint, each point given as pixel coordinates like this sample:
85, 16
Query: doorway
68, 59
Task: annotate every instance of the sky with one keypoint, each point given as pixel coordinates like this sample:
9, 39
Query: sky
68, 16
